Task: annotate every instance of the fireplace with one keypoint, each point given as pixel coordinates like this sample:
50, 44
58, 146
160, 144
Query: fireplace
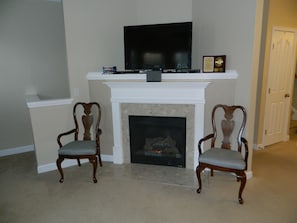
158, 140
170, 99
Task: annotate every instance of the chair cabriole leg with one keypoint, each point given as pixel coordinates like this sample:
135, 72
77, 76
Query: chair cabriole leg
242, 185
58, 162
198, 174
94, 161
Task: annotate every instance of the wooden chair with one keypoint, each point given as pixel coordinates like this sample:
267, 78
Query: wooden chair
229, 132
86, 118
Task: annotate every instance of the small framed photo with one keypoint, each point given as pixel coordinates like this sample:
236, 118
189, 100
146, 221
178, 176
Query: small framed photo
109, 69
214, 64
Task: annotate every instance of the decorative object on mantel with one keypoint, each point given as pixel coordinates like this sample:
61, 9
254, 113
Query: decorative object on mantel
153, 76
214, 64
109, 69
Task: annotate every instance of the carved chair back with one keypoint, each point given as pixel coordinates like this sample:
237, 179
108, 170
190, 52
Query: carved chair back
228, 123
87, 118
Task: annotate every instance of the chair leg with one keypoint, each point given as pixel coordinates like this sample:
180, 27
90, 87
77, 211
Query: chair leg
242, 178
58, 162
198, 174
94, 161
78, 162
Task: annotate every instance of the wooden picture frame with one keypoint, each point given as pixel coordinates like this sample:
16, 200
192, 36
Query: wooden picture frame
214, 64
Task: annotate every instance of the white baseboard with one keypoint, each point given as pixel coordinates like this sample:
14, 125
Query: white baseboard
258, 146
107, 158
68, 163
50, 166
17, 150
249, 174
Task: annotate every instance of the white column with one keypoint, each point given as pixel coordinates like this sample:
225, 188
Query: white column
118, 154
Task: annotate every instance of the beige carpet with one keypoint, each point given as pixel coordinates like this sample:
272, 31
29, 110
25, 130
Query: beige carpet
149, 194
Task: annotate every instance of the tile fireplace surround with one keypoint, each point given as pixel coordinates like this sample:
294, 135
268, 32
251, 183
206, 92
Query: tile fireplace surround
178, 95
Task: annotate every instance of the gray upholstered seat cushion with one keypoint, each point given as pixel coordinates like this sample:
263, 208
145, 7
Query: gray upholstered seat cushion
224, 158
78, 148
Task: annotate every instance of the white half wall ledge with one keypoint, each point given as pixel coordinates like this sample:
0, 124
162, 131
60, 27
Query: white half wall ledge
47, 103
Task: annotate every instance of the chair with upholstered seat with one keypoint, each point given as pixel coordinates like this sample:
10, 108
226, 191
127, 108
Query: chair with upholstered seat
228, 124
86, 143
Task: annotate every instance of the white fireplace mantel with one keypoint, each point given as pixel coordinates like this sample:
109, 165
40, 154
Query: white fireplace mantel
156, 93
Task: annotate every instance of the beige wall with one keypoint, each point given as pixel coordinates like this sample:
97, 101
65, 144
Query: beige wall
32, 61
94, 37
281, 13
94, 32
230, 27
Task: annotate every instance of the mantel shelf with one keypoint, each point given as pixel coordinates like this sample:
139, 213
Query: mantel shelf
229, 74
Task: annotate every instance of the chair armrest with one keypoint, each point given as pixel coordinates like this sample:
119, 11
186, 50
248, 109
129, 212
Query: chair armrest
246, 148
64, 134
210, 136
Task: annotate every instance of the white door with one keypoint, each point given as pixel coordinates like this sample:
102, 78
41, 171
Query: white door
280, 85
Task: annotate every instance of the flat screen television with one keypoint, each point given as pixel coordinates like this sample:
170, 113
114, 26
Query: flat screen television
166, 47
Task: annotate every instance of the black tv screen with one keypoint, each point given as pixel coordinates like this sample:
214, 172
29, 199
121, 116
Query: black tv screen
158, 47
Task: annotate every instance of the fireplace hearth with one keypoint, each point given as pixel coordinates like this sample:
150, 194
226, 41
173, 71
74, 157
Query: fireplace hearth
158, 140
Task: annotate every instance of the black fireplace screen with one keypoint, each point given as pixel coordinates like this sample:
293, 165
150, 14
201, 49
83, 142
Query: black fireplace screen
158, 140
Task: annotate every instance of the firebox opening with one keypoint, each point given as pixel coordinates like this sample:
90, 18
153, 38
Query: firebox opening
158, 140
